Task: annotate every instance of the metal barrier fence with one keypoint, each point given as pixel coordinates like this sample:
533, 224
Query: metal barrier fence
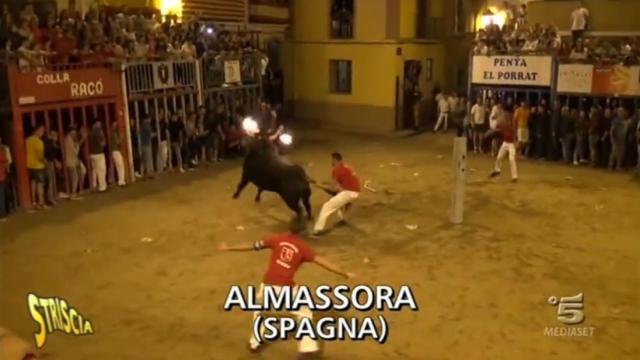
141, 77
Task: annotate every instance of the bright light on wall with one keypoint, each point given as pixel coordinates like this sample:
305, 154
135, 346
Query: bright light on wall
491, 16
170, 6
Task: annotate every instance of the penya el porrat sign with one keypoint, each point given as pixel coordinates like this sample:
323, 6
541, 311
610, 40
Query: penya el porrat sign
512, 70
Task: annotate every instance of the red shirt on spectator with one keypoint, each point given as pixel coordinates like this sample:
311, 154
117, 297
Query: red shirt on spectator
288, 252
346, 177
64, 47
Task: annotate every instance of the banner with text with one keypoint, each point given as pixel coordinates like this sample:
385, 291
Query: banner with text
603, 80
575, 78
616, 80
512, 70
60, 86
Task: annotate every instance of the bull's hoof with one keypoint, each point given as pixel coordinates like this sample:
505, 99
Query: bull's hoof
257, 200
235, 196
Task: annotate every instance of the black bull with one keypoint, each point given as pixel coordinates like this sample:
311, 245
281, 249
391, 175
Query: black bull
268, 171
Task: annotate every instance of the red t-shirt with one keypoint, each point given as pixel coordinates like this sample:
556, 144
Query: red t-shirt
288, 252
346, 177
506, 129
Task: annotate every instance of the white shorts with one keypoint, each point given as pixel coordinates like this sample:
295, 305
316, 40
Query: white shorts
523, 135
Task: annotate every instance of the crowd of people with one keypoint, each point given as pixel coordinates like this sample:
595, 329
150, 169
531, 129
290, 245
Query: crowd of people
600, 133
90, 159
517, 36
105, 33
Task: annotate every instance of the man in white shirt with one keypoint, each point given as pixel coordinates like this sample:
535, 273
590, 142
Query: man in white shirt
443, 111
579, 21
478, 112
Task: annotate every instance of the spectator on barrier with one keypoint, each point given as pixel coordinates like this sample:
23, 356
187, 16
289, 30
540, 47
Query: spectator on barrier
4, 176
618, 136
36, 164
188, 50
97, 144
579, 21
146, 146
53, 155
582, 133
579, 51
116, 154
177, 138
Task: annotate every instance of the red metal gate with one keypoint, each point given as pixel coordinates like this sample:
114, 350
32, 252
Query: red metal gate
78, 97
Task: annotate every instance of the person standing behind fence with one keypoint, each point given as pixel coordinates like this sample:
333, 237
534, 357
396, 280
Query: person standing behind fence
146, 146
4, 172
596, 131
177, 136
163, 148
116, 155
97, 145
522, 116
53, 156
556, 119
75, 168
202, 134
566, 132
191, 148
36, 164
582, 134
478, 114
618, 136
215, 136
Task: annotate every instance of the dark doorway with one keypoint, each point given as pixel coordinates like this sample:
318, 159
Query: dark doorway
411, 93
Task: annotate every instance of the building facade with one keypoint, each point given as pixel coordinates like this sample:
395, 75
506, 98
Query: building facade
361, 64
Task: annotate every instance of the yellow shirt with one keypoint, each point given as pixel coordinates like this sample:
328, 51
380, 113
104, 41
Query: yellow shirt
521, 116
35, 153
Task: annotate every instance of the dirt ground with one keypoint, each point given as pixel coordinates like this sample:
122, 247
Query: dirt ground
482, 286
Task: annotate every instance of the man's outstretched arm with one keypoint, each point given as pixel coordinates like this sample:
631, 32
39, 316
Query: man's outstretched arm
258, 245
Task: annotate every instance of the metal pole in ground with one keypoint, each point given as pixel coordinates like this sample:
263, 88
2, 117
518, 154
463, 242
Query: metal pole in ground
456, 208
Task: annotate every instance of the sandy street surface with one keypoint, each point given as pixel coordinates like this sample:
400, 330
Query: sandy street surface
482, 287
